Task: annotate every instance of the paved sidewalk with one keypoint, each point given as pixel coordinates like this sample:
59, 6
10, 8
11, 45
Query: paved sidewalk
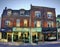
40, 43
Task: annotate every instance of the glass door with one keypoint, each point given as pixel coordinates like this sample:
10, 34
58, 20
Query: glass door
34, 37
26, 37
9, 37
15, 36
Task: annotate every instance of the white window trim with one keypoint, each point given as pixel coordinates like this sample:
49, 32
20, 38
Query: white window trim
18, 22
38, 12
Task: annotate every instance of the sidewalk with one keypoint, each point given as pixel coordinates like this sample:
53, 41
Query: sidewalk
39, 43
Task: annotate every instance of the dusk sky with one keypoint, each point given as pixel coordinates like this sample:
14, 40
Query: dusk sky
18, 4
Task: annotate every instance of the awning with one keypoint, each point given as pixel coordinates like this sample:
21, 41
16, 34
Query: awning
5, 30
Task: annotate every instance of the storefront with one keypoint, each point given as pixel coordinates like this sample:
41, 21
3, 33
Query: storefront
36, 34
4, 37
58, 29
50, 34
21, 35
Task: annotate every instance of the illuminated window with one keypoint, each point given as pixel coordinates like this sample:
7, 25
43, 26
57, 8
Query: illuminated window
37, 13
7, 23
18, 22
50, 24
9, 12
25, 22
49, 14
37, 23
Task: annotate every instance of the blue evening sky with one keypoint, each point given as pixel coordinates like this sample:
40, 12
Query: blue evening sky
18, 4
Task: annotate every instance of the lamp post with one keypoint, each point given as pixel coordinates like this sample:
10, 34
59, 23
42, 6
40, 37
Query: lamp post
30, 32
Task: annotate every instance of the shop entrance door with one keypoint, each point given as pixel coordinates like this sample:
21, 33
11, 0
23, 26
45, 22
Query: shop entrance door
15, 37
34, 37
26, 37
9, 37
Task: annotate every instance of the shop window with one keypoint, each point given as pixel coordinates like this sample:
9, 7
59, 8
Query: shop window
18, 22
4, 36
9, 12
52, 36
49, 14
8, 23
37, 13
25, 23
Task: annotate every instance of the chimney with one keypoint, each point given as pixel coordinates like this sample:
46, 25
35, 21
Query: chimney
5, 8
31, 5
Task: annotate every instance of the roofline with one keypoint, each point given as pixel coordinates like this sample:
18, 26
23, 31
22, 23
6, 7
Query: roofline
42, 6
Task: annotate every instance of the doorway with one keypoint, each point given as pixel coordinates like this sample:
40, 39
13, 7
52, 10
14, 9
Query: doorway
9, 37
34, 37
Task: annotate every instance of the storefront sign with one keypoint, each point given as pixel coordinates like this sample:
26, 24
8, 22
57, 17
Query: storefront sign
20, 29
36, 29
17, 29
27, 29
33, 29
39, 29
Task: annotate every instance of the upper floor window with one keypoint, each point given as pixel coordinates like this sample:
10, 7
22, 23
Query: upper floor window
25, 22
26, 13
49, 14
37, 13
58, 24
18, 22
7, 22
37, 23
9, 12
22, 13
15, 13
50, 24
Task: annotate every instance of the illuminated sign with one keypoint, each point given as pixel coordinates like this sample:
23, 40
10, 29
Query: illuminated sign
20, 29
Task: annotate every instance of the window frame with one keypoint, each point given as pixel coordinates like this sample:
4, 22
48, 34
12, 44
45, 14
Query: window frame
38, 14
18, 22
22, 13
25, 23
7, 22
49, 14
9, 12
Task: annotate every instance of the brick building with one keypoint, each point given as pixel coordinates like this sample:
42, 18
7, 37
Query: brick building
29, 26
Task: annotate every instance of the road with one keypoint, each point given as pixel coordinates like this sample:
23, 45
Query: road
42, 45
